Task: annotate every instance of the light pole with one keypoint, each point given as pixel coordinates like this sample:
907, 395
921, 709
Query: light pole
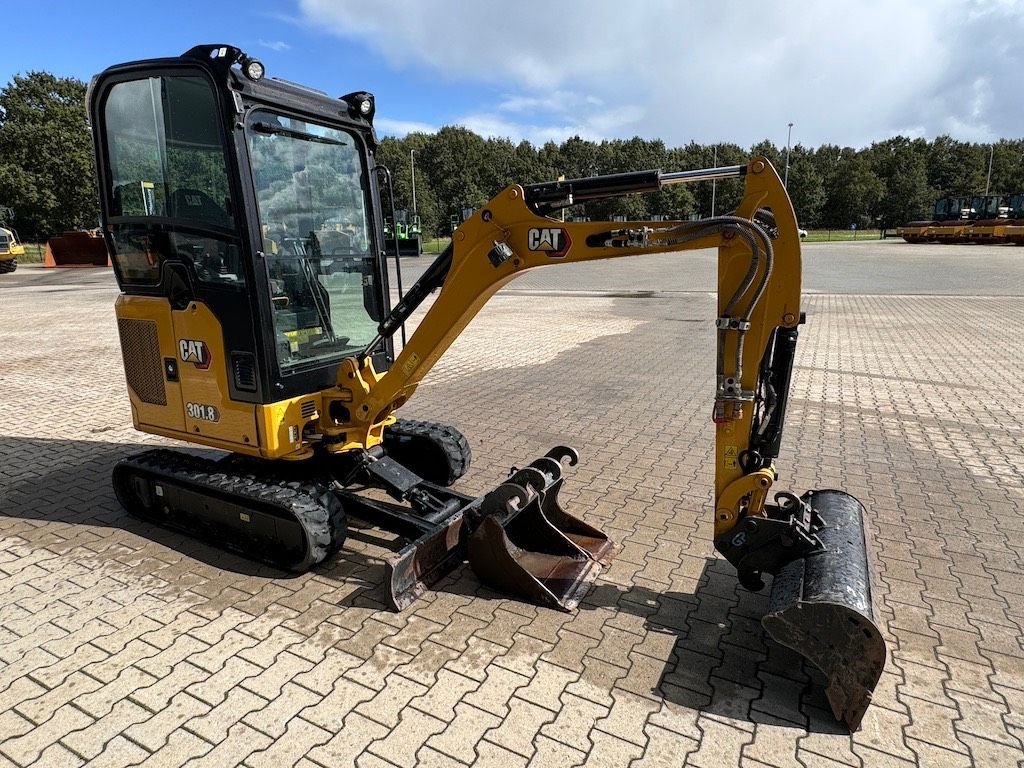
714, 164
988, 179
412, 165
785, 176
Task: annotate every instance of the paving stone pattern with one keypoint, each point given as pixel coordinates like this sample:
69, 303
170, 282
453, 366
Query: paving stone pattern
124, 644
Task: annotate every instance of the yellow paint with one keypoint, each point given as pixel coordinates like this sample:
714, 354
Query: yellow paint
254, 430
146, 416
410, 365
472, 280
13, 249
729, 457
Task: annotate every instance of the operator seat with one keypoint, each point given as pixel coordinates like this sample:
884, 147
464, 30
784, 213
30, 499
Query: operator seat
186, 203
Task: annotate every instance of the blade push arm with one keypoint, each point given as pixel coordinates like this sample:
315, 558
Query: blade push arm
758, 288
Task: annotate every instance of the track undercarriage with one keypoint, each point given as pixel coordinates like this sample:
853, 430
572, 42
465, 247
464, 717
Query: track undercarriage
516, 537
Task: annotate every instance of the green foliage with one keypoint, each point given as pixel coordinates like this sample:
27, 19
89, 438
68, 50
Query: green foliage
46, 166
956, 167
888, 183
394, 154
806, 187
1007, 166
852, 188
902, 165
776, 156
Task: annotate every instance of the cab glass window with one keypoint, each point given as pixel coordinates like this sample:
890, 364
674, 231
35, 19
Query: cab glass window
310, 190
169, 195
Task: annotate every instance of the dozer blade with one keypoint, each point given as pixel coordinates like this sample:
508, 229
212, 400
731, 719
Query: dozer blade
820, 606
420, 563
525, 544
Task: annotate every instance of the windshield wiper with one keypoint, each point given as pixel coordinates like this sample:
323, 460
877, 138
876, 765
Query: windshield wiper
296, 134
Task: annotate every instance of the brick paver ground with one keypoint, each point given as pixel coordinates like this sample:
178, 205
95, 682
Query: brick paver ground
122, 644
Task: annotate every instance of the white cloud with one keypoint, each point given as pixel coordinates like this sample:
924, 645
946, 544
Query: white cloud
728, 71
274, 45
553, 101
624, 121
390, 127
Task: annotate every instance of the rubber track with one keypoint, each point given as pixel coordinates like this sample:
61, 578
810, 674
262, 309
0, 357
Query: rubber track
310, 502
446, 437
8, 265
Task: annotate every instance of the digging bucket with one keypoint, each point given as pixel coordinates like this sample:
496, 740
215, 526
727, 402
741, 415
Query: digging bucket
820, 606
524, 543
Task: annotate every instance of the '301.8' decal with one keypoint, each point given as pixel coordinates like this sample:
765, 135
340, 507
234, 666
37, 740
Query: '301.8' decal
202, 412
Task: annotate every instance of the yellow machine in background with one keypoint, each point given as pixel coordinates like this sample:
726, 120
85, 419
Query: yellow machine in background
250, 321
10, 244
990, 219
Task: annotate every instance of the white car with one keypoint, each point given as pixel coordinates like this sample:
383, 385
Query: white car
801, 232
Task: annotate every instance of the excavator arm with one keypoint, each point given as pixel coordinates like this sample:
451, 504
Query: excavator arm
518, 537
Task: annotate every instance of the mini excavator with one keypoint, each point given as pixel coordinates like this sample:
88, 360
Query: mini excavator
244, 218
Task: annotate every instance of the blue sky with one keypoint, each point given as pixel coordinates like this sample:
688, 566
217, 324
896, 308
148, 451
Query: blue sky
80, 37
679, 70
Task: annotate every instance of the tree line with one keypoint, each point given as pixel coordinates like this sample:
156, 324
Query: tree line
885, 184
47, 174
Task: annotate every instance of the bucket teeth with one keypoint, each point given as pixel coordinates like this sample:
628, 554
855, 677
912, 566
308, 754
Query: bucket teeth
820, 606
525, 544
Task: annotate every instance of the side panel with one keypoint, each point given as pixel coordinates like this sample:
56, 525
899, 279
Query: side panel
281, 425
177, 382
147, 341
203, 372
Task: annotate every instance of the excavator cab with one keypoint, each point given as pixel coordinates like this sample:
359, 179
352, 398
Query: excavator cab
233, 198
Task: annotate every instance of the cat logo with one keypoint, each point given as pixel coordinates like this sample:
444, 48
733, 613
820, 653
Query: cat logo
553, 241
195, 352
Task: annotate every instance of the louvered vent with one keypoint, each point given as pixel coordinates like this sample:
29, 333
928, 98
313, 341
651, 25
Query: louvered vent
244, 366
143, 367
308, 409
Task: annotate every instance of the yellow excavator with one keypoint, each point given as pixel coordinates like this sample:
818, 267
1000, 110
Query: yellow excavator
245, 219
10, 245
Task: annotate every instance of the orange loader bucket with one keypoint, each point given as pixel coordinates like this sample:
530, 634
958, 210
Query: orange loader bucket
76, 249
